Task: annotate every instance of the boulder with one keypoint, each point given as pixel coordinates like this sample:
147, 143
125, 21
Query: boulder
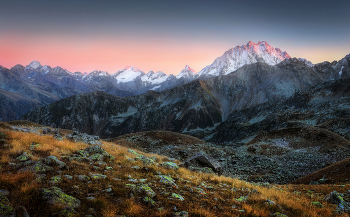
24, 157
336, 198
46, 131
170, 165
93, 153
166, 180
5, 207
4, 192
55, 196
36, 167
203, 160
53, 161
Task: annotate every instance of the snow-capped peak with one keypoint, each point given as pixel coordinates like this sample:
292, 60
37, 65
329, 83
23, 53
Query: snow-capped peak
99, 73
127, 74
34, 64
187, 68
187, 73
238, 56
154, 78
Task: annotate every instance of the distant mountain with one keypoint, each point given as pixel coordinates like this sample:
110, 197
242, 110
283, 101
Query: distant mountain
48, 84
196, 108
188, 74
239, 56
25, 88
134, 80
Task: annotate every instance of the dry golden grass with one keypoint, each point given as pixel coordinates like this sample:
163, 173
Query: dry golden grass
217, 201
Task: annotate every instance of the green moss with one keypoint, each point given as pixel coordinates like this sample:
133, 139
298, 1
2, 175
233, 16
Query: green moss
33, 146
68, 213
177, 196
96, 157
146, 189
4, 200
149, 201
278, 214
83, 177
6, 210
170, 165
55, 179
134, 152
52, 160
24, 157
82, 153
318, 204
242, 199
36, 168
56, 196
131, 186
200, 191
145, 160
167, 180
181, 214
98, 176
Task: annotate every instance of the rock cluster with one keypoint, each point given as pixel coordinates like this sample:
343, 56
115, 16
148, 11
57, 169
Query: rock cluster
83, 137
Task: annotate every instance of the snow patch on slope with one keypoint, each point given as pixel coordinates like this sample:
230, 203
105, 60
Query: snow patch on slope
341, 71
128, 74
154, 78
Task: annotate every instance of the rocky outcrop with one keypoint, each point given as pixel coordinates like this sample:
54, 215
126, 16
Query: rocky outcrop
200, 159
195, 108
336, 198
55, 196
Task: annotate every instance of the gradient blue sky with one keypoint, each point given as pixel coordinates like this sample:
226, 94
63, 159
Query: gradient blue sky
85, 35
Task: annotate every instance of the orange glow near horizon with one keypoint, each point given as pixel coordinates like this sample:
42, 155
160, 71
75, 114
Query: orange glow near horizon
113, 54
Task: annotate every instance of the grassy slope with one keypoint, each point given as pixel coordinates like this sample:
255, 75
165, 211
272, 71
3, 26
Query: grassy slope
217, 201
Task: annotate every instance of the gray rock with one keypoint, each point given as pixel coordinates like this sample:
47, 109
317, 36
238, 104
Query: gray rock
53, 161
68, 177
336, 198
56, 196
83, 137
203, 160
38, 167
170, 165
6, 210
24, 157
46, 131
181, 214
4, 192
93, 153
83, 178
98, 176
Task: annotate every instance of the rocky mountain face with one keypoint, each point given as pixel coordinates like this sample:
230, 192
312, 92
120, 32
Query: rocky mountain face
198, 108
239, 56
262, 123
51, 84
26, 88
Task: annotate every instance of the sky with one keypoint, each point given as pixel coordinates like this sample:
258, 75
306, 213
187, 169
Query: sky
165, 35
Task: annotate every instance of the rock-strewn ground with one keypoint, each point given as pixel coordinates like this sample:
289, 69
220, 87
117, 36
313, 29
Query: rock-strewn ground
42, 175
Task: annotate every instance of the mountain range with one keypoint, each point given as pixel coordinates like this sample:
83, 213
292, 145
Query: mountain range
25, 88
272, 118
197, 108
